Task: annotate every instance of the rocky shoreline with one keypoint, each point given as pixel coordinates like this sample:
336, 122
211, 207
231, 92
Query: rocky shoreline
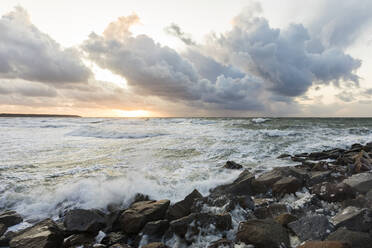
324, 201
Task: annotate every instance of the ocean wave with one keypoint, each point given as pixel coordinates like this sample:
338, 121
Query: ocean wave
260, 120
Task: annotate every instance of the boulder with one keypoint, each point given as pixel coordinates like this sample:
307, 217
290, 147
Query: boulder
333, 192
270, 211
354, 219
285, 219
312, 227
76, 240
3, 229
183, 208
222, 243
262, 234
354, 239
114, 238
324, 244
82, 220
241, 186
10, 218
318, 177
5, 239
134, 219
286, 185
360, 182
45, 234
318, 155
155, 245
362, 162
120, 246
271, 177
155, 230
232, 165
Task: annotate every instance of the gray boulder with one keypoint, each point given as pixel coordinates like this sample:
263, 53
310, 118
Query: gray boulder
82, 220
354, 239
10, 218
354, 219
313, 227
183, 208
360, 182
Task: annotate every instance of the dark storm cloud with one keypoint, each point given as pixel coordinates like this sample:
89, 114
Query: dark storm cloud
176, 31
27, 53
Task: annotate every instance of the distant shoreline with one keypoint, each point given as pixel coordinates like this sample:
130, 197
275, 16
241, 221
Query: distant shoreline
39, 115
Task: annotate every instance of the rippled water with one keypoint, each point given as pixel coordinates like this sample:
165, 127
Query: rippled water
47, 165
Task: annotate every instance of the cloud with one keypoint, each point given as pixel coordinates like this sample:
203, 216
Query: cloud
29, 54
176, 31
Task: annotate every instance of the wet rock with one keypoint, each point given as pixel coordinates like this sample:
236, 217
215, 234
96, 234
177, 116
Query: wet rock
120, 246
114, 238
134, 219
10, 218
286, 185
141, 197
318, 177
314, 227
363, 162
3, 229
333, 192
262, 234
222, 243
285, 219
270, 211
360, 182
318, 156
222, 222
45, 234
155, 230
284, 155
183, 208
76, 240
232, 165
271, 177
5, 239
155, 245
324, 244
82, 220
354, 219
354, 239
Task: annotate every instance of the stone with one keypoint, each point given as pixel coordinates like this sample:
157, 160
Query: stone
313, 227
318, 155
135, 218
222, 243
360, 182
114, 238
232, 165
241, 186
270, 211
362, 162
324, 244
318, 177
284, 155
286, 185
10, 218
354, 219
82, 220
354, 239
333, 192
155, 245
285, 219
5, 239
271, 177
155, 228
3, 229
76, 240
119, 246
183, 208
262, 234
45, 234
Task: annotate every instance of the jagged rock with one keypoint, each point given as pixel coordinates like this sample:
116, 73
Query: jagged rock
155, 245
45, 234
318, 177
285, 219
262, 233
141, 197
155, 230
354, 219
314, 227
82, 220
270, 211
222, 243
180, 227
114, 238
360, 182
232, 165
284, 155
354, 239
10, 218
76, 240
5, 239
332, 192
318, 155
286, 185
271, 177
3, 229
183, 208
134, 219
363, 162
324, 244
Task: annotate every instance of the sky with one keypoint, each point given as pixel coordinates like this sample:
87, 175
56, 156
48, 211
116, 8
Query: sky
146, 58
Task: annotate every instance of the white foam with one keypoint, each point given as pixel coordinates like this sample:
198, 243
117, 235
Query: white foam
260, 120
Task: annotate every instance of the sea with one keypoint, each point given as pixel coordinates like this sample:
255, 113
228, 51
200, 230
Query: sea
51, 165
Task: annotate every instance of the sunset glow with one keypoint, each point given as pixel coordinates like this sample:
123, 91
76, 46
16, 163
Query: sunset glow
132, 113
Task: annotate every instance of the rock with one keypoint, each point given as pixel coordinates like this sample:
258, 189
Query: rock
262, 234
181, 226
114, 238
362, 162
286, 185
5, 239
222, 243
45, 234
3, 229
285, 219
155, 245
271, 177
134, 219
226, 202
318, 156
332, 192
155, 230
82, 220
354, 239
120, 246
360, 182
99, 246
318, 177
324, 244
270, 211
232, 165
76, 240
183, 208
284, 155
10, 218
354, 219
141, 197
314, 227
